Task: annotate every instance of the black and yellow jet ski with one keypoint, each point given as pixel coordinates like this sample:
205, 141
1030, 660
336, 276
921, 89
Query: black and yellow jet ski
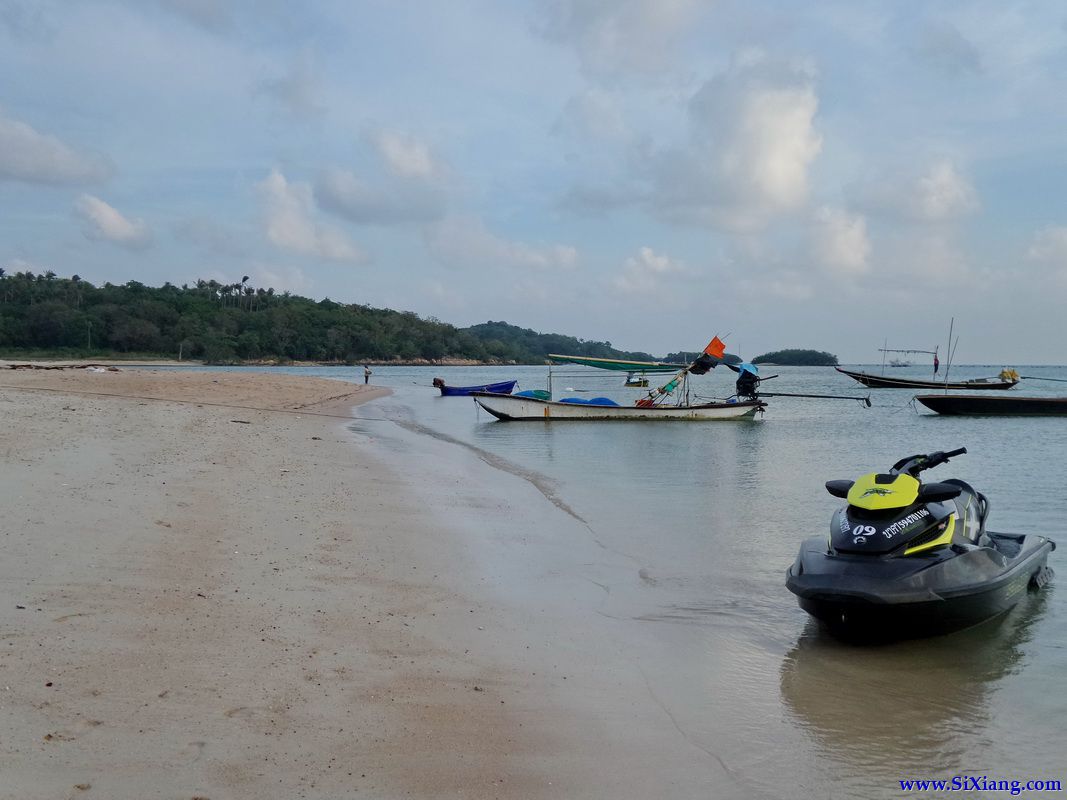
906, 558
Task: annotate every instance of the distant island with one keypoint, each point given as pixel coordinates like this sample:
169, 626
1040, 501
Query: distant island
46, 316
797, 358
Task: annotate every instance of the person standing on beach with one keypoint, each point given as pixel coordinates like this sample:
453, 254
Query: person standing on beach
366, 374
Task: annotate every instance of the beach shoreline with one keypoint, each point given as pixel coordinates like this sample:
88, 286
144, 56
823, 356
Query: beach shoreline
206, 597
228, 585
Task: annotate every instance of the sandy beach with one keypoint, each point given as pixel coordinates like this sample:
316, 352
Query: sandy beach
212, 589
199, 600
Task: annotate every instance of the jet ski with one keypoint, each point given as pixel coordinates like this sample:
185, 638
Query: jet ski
906, 558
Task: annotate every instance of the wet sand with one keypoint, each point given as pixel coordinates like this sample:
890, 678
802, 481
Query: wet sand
212, 589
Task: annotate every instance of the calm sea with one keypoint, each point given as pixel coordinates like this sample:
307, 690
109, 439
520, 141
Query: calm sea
712, 514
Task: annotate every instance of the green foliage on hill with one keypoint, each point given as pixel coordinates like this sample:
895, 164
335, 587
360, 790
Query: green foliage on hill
798, 358
509, 342
226, 323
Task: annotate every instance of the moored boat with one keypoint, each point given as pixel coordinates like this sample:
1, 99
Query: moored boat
1006, 380
501, 387
511, 408
993, 405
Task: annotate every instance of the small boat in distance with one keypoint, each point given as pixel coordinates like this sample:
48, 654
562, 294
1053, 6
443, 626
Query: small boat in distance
501, 387
993, 406
1006, 380
511, 408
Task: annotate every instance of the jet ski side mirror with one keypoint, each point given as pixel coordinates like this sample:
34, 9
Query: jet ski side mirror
936, 492
839, 488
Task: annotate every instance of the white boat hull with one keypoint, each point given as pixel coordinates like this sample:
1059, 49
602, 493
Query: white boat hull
510, 408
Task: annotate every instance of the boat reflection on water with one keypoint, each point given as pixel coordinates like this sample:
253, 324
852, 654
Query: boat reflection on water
916, 708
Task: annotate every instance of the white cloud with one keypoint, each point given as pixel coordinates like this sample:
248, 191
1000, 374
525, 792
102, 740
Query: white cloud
105, 223
411, 188
33, 157
289, 223
939, 193
465, 242
943, 193
614, 36
753, 143
405, 156
393, 203
839, 241
646, 272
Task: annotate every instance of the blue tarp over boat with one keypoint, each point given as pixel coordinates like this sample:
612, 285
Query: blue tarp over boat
593, 401
501, 387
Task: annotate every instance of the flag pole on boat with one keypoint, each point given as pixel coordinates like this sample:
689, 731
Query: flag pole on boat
711, 357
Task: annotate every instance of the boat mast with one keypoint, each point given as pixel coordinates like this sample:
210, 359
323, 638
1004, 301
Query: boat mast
885, 344
948, 366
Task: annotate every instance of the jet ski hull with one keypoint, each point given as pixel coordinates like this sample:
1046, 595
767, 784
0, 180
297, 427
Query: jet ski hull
860, 596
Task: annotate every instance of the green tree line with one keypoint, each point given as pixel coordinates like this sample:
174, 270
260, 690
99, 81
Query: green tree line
798, 358
227, 323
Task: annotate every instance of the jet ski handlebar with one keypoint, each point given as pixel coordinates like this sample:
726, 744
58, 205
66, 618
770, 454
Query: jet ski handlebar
913, 465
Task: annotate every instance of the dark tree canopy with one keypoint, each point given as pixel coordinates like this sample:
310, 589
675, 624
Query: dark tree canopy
797, 358
228, 323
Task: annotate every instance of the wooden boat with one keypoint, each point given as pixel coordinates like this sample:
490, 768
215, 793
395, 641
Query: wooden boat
994, 405
501, 387
885, 382
509, 408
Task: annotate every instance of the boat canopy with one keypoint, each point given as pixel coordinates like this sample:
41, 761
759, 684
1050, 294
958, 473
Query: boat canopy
617, 365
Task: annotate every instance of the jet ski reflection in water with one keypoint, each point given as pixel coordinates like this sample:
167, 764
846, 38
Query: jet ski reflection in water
859, 703
906, 558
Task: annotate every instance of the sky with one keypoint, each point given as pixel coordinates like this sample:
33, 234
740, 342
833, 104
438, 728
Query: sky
827, 175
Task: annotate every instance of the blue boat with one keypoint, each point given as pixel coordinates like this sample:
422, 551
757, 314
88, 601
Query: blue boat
502, 387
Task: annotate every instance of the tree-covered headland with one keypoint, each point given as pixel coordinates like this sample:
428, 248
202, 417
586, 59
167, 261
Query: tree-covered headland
797, 358
45, 315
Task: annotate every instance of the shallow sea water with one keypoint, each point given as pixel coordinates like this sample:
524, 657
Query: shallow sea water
711, 514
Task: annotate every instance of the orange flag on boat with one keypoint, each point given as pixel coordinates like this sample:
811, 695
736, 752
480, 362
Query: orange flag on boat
716, 347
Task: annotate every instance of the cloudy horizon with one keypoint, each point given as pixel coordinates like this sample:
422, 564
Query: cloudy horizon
645, 172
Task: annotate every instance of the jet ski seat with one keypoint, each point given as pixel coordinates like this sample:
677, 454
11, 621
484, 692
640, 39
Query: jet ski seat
977, 532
